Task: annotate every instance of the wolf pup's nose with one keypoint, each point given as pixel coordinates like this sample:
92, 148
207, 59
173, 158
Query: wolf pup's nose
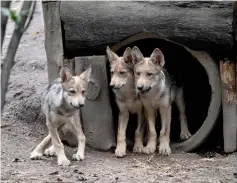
81, 105
140, 87
112, 85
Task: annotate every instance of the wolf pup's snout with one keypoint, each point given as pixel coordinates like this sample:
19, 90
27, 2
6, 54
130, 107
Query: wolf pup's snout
111, 85
114, 86
77, 106
140, 88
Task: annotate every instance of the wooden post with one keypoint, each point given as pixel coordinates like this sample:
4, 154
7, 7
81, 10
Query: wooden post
97, 113
53, 38
229, 101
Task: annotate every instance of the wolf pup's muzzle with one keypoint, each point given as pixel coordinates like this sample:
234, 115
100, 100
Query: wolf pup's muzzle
143, 90
77, 106
116, 87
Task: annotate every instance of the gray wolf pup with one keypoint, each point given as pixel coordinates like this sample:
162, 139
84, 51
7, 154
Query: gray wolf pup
157, 91
122, 83
60, 103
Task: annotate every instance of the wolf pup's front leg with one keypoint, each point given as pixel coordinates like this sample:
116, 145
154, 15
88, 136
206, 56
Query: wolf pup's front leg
139, 133
77, 130
121, 136
58, 145
164, 146
152, 135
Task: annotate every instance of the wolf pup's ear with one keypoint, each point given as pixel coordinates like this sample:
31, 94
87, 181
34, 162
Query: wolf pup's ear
111, 55
65, 74
136, 55
86, 74
127, 56
157, 57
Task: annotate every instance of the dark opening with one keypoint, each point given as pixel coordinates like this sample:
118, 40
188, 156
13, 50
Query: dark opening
185, 69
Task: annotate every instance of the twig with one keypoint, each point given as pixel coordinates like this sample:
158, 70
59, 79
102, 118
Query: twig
149, 160
13, 45
30, 15
4, 126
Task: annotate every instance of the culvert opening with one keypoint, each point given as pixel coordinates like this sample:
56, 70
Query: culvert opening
187, 70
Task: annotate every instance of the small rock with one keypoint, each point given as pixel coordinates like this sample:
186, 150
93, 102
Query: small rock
77, 171
235, 175
81, 178
54, 173
59, 179
16, 160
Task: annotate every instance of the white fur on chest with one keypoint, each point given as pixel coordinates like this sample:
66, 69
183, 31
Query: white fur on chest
133, 106
156, 100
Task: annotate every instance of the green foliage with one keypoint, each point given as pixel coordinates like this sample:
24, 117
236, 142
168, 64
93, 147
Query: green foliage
13, 15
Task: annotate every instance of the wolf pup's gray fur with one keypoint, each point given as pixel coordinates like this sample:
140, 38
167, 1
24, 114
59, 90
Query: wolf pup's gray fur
157, 92
60, 104
122, 83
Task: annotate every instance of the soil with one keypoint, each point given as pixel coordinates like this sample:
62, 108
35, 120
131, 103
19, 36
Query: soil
22, 128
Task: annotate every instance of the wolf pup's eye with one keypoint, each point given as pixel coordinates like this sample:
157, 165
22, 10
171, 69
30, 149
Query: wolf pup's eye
121, 72
83, 92
111, 72
149, 74
138, 73
72, 91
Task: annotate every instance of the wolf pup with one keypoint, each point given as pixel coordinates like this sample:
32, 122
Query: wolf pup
60, 103
122, 83
158, 92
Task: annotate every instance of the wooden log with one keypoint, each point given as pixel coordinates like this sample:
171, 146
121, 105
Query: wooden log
53, 38
90, 27
97, 113
234, 23
229, 103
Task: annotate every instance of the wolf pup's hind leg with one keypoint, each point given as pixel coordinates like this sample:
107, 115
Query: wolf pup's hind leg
184, 134
39, 150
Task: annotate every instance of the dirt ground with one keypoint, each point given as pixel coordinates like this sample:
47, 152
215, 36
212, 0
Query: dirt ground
22, 128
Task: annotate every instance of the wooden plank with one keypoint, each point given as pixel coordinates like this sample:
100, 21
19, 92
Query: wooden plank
53, 38
228, 77
97, 113
71, 64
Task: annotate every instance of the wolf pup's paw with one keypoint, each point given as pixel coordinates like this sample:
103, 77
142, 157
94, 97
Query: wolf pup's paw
77, 157
149, 149
138, 148
36, 155
164, 149
63, 162
50, 152
184, 135
120, 151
